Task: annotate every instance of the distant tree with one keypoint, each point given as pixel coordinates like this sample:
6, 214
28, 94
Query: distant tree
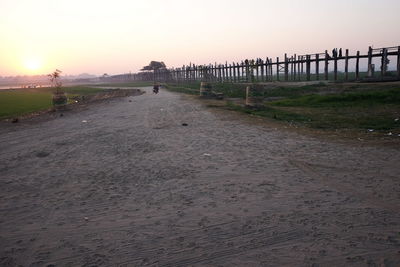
154, 65
104, 76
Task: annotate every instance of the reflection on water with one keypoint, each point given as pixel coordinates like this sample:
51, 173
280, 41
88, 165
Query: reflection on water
4, 87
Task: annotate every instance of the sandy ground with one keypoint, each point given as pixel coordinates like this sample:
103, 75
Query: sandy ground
124, 183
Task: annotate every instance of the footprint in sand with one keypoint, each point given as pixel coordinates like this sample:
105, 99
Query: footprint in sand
42, 154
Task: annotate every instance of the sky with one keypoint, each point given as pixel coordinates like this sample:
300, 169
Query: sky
121, 36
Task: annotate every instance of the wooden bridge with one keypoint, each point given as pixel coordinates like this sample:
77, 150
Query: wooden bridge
373, 66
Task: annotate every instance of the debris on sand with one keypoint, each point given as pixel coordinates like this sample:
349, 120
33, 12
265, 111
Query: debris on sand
84, 121
15, 120
184, 124
207, 155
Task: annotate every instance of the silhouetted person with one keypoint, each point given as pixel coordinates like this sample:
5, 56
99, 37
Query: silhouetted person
340, 52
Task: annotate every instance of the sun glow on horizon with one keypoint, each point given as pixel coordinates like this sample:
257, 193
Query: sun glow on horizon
33, 65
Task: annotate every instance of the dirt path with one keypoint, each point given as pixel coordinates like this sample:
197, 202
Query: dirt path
131, 186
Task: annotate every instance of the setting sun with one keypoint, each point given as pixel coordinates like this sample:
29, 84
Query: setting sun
32, 64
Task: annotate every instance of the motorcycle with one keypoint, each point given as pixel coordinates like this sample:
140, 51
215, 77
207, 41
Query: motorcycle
156, 88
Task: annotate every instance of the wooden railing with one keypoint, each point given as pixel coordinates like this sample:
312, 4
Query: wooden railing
309, 67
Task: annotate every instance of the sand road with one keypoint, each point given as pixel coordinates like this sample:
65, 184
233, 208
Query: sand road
125, 184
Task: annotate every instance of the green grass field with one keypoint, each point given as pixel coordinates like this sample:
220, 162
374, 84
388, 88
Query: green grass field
361, 106
237, 90
19, 103
14, 103
228, 89
370, 110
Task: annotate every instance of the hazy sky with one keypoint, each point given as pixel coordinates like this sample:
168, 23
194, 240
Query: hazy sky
95, 36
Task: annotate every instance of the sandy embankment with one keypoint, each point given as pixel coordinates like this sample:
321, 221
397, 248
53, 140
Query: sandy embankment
125, 184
